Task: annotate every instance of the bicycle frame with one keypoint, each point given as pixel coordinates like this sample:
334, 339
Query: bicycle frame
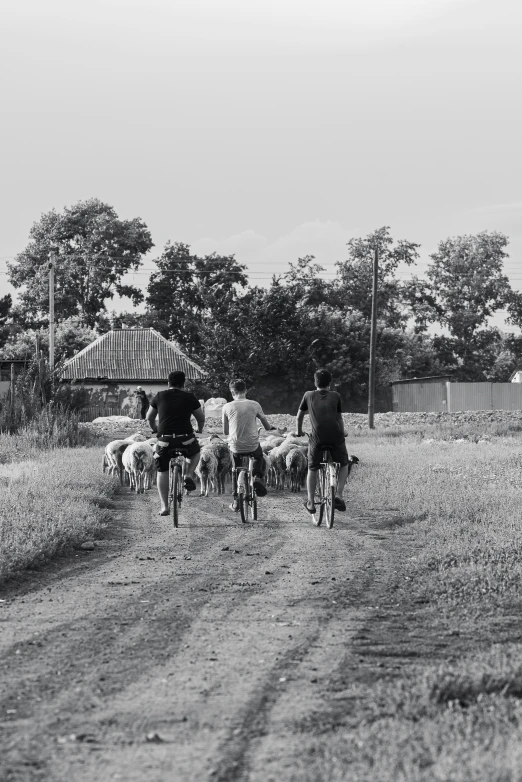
243, 489
327, 477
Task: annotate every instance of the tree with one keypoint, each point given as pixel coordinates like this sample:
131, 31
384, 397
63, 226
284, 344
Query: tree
355, 274
94, 250
187, 289
468, 283
304, 281
6, 303
70, 337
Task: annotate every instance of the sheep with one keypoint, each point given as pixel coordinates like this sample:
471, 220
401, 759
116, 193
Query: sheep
220, 449
278, 458
138, 461
137, 437
207, 470
113, 457
296, 466
269, 470
270, 442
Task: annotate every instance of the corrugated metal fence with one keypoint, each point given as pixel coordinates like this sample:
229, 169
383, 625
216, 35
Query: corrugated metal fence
419, 397
453, 397
484, 396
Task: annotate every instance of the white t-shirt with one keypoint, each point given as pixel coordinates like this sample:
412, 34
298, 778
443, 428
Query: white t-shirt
242, 425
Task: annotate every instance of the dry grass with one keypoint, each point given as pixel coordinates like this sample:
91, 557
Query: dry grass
48, 504
459, 721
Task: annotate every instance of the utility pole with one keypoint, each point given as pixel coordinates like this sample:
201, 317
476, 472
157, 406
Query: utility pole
52, 259
373, 341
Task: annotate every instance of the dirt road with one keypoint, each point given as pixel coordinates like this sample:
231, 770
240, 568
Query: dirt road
211, 651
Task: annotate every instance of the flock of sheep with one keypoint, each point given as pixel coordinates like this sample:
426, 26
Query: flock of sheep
133, 461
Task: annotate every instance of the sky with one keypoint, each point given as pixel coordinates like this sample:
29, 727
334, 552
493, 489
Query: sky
270, 129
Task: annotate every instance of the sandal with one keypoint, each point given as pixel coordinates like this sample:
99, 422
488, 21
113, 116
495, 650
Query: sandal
189, 484
339, 504
311, 510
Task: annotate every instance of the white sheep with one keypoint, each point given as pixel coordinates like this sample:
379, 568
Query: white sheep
138, 461
137, 437
278, 458
112, 458
296, 466
207, 470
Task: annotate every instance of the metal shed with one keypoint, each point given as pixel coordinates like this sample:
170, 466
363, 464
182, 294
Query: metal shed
420, 394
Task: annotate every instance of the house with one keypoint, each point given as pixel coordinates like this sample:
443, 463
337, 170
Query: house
516, 376
9, 371
115, 364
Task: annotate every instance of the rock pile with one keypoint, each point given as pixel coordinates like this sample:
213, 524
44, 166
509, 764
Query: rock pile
392, 420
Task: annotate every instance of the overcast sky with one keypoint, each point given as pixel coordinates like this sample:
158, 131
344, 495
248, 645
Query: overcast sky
267, 128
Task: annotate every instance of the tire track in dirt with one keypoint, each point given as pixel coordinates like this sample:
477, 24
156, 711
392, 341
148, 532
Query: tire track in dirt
228, 653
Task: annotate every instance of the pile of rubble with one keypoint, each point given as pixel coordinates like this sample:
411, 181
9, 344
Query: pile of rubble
392, 420
108, 425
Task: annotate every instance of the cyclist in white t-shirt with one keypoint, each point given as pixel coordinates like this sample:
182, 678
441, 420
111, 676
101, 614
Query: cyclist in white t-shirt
240, 424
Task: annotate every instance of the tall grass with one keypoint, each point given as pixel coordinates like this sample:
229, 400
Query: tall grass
48, 505
37, 415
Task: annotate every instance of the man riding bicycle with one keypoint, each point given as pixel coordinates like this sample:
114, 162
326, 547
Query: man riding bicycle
324, 409
240, 423
173, 409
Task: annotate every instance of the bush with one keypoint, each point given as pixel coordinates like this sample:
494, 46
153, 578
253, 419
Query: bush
45, 414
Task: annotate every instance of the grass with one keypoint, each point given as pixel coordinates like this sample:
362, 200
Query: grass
454, 712
49, 503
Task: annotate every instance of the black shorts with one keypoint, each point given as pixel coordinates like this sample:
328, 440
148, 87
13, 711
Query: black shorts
167, 445
315, 454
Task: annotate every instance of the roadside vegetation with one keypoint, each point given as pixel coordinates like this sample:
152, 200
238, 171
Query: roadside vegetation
49, 503
448, 703
53, 494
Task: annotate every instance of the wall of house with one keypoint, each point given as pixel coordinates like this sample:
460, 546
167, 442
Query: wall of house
121, 395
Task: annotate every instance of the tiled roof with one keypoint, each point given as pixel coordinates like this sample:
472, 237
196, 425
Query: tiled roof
129, 354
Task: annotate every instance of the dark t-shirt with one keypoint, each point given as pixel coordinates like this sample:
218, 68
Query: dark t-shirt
174, 408
323, 408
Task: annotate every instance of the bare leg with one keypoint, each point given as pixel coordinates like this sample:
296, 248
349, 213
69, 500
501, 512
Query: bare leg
190, 466
163, 490
343, 475
311, 483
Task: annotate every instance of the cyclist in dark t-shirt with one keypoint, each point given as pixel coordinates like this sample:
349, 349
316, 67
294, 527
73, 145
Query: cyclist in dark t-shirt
169, 415
324, 409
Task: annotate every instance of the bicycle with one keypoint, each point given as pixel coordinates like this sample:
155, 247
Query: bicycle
176, 473
243, 488
327, 476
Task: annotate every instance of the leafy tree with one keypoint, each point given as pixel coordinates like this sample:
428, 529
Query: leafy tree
70, 337
6, 303
94, 250
354, 291
304, 282
187, 289
468, 283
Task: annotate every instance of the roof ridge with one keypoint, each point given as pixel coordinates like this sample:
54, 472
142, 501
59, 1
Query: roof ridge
172, 346
130, 353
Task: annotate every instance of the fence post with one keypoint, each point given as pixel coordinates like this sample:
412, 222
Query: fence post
12, 382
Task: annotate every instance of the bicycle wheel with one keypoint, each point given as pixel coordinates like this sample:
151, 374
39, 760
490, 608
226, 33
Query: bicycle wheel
317, 517
243, 506
175, 494
330, 505
254, 501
